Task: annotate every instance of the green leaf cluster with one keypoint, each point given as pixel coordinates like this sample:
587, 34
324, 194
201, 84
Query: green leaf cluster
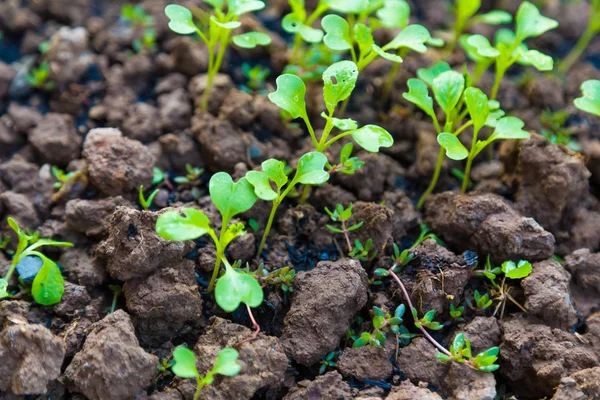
383, 325
460, 351
427, 320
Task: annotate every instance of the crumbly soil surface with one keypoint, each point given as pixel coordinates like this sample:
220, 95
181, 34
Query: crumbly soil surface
114, 115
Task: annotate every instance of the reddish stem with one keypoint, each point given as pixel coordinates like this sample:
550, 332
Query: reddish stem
254, 324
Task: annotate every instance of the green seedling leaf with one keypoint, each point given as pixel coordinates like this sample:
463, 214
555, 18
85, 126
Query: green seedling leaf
181, 20
185, 224
348, 6
339, 81
443, 357
388, 56
447, 89
225, 25
419, 96
245, 6
394, 14
427, 75
590, 101
516, 271
184, 363
275, 171
217, 4
530, 23
311, 169
226, 363
337, 32
235, 287
494, 117
291, 23
482, 46
459, 341
251, 39
495, 17
372, 137
346, 124
540, 61
493, 105
465, 9
478, 107
455, 150
510, 128
363, 340
231, 198
364, 38
261, 184
413, 37
289, 95
48, 285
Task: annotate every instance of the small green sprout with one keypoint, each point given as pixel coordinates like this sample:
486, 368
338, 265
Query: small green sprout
256, 76
310, 171
382, 323
164, 366
361, 252
482, 302
116, 290
590, 101
592, 29
348, 165
427, 320
327, 362
342, 215
147, 203
192, 178
158, 176
230, 198
136, 16
184, 366
218, 36
38, 77
456, 313
554, 129
48, 285
460, 352
66, 181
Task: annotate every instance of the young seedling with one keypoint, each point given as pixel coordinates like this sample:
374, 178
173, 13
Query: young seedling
147, 203
299, 22
382, 324
38, 77
218, 36
342, 215
256, 77
191, 179
348, 165
327, 362
116, 290
361, 252
184, 366
482, 302
460, 352
456, 313
590, 101
230, 198
138, 18
310, 171
66, 181
592, 29
48, 285
555, 131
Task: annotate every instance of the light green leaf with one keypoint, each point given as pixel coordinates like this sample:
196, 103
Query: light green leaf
226, 363
185, 224
590, 101
510, 128
261, 184
291, 23
275, 171
348, 6
436, 42
477, 105
184, 363
48, 285
495, 17
289, 95
447, 90
250, 40
388, 56
530, 23
465, 9
419, 96
235, 287
339, 81
346, 124
217, 4
413, 37
394, 14
540, 61
493, 105
225, 25
181, 20
364, 38
232, 231
3, 289
337, 32
427, 75
517, 271
245, 6
455, 150
311, 169
372, 137
231, 198
482, 46
494, 117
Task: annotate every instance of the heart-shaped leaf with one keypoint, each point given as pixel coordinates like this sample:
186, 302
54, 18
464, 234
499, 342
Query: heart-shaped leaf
413, 37
275, 171
225, 25
394, 14
590, 101
427, 75
250, 40
289, 95
530, 23
339, 81
181, 20
478, 107
227, 363
240, 7
419, 96
231, 198
540, 61
372, 137
348, 6
261, 184
388, 56
447, 89
184, 363
510, 128
516, 271
455, 150
495, 17
337, 32
311, 169
48, 285
185, 224
235, 287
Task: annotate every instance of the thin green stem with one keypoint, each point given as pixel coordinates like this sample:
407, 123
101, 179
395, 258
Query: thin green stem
220, 254
434, 179
305, 194
322, 145
336, 138
268, 227
311, 131
463, 127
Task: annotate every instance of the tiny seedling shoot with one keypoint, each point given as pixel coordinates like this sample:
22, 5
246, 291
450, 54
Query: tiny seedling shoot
342, 215
184, 366
218, 35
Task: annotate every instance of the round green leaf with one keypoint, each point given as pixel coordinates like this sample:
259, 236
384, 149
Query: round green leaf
530, 23
517, 271
495, 17
346, 124
540, 61
231, 198
590, 101
291, 23
226, 363
289, 95
394, 14
250, 40
339, 81
240, 7
311, 169
455, 150
413, 37
510, 128
478, 107
482, 46
181, 20
225, 25
427, 75
419, 96
447, 90
372, 137
48, 285
261, 184
185, 224
348, 6
235, 287
337, 32
388, 56
184, 363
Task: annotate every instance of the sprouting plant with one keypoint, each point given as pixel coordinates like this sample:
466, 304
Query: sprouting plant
230, 198
424, 234
342, 215
590, 101
363, 253
426, 321
218, 35
48, 285
164, 366
382, 324
310, 171
66, 181
184, 366
592, 29
192, 178
482, 302
460, 352
256, 76
135, 14
327, 362
147, 203
158, 176
347, 165
39, 76
554, 129
456, 313
116, 290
